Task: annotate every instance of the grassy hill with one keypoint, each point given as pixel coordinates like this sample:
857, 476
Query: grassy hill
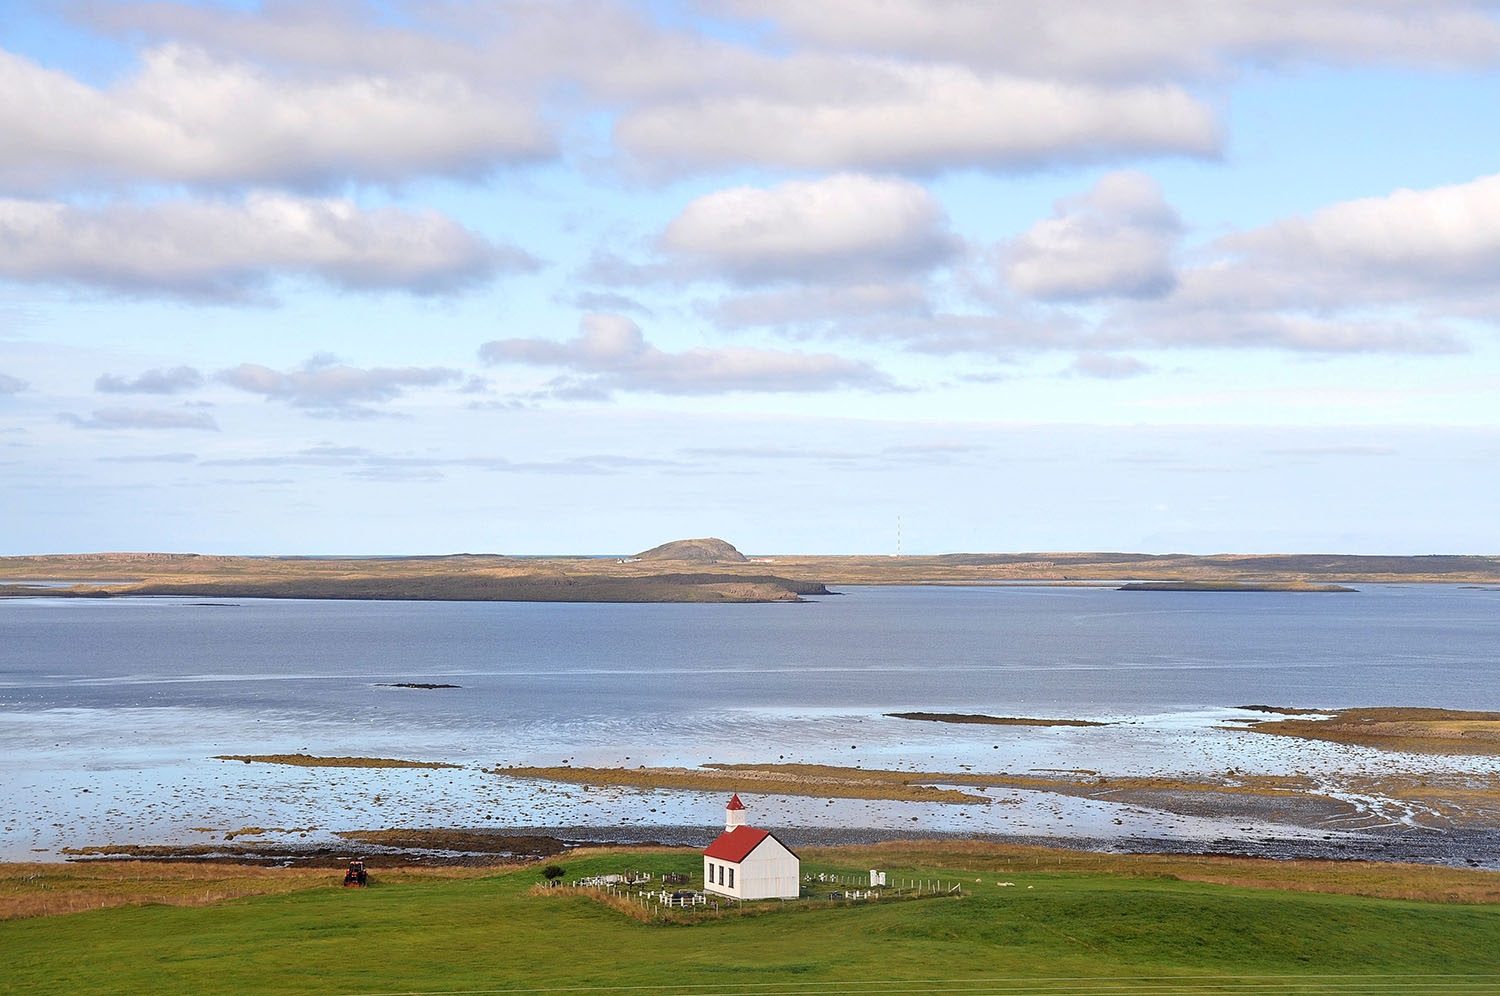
1098, 931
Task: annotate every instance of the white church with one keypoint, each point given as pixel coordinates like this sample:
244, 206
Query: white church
747, 863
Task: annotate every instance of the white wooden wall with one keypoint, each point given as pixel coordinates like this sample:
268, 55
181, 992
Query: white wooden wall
770, 872
712, 884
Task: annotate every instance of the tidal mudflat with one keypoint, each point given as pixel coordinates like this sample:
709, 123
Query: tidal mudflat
113, 715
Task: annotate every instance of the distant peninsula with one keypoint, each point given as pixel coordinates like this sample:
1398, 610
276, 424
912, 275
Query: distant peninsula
706, 569
1307, 586
673, 573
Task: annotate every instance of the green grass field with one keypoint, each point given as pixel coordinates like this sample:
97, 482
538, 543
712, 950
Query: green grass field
1068, 933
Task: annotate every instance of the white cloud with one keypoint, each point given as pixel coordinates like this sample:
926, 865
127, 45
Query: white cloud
611, 50
611, 354
890, 116
452, 89
1114, 241
142, 418
227, 248
842, 227
838, 84
326, 386
1410, 241
160, 381
1403, 273
11, 385
1144, 39
186, 117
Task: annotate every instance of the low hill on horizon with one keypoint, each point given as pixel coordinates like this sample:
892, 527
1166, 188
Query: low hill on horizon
706, 550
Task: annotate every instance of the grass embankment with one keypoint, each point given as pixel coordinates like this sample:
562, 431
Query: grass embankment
1424, 731
1099, 926
311, 761
1371, 879
34, 890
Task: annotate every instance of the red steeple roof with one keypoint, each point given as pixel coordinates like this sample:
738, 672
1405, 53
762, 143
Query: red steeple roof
735, 803
735, 845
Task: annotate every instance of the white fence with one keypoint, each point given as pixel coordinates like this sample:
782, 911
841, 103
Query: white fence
603, 881
877, 885
850, 888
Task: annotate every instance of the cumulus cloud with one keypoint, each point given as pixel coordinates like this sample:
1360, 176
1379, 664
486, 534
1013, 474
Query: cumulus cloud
187, 117
228, 248
324, 385
611, 354
465, 81
11, 385
1144, 39
836, 84
142, 418
1116, 240
801, 253
1408, 242
919, 118
159, 381
1404, 274
1401, 273
609, 49
842, 227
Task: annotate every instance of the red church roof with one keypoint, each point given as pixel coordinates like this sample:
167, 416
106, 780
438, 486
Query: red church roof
735, 803
735, 845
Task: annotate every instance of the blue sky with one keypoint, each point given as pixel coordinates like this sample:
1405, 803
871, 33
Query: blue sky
581, 277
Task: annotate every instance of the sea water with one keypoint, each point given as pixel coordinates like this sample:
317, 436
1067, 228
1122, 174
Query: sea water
111, 710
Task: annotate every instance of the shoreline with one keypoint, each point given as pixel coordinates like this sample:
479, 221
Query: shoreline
1388, 847
684, 587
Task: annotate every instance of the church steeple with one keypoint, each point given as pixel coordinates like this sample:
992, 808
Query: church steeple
734, 813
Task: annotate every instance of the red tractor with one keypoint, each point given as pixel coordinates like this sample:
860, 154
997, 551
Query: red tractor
356, 877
